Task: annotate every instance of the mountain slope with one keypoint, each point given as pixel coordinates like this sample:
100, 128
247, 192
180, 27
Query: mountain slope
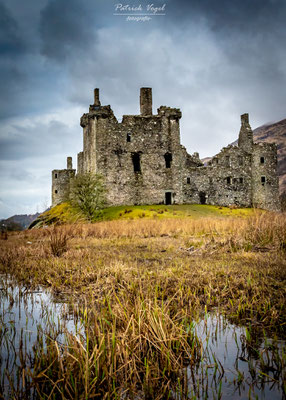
18, 222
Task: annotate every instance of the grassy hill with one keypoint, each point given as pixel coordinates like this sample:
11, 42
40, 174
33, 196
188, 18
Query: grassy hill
65, 213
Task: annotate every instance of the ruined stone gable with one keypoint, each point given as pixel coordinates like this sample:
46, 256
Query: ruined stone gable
143, 162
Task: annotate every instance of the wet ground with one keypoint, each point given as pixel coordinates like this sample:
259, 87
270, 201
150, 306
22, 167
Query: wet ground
235, 363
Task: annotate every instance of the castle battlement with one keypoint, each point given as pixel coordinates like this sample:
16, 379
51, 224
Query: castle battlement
143, 162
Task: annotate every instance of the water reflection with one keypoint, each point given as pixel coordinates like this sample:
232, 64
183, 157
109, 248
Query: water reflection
25, 317
235, 363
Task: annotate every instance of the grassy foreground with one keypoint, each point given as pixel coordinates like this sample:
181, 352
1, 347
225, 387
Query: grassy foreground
143, 283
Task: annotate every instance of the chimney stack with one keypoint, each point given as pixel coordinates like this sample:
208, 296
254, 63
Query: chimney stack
244, 119
96, 97
69, 162
146, 101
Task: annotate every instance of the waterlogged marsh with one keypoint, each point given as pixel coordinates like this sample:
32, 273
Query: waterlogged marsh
232, 362
139, 287
236, 363
27, 319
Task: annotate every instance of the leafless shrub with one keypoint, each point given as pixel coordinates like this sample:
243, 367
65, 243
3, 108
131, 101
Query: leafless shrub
4, 235
58, 238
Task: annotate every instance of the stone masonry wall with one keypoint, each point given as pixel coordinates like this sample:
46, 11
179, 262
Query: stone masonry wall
143, 162
264, 177
225, 181
60, 184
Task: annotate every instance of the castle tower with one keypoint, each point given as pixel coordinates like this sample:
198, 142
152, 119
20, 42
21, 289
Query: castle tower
146, 101
142, 161
265, 184
96, 123
245, 139
61, 183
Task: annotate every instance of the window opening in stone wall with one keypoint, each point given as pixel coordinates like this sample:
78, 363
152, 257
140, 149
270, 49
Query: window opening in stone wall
240, 180
211, 180
228, 180
188, 180
263, 180
227, 161
56, 175
168, 160
202, 196
240, 160
262, 160
136, 162
168, 198
128, 138
56, 191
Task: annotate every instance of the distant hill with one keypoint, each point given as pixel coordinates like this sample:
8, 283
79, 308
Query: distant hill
18, 222
272, 133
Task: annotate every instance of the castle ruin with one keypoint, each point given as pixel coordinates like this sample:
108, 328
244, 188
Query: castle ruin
143, 162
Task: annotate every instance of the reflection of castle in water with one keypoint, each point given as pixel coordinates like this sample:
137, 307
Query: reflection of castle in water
143, 162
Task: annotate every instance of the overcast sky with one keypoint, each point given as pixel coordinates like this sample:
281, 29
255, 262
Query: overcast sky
212, 59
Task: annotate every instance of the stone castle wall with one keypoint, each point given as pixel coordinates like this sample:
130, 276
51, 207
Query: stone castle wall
61, 182
143, 162
265, 177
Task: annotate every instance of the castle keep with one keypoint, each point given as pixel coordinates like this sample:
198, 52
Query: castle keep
143, 162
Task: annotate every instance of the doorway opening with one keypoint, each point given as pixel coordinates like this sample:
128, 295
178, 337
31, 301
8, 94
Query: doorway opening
168, 198
202, 197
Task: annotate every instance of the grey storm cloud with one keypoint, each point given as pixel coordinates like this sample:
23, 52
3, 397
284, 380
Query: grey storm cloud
11, 43
12, 49
213, 59
232, 16
69, 27
36, 140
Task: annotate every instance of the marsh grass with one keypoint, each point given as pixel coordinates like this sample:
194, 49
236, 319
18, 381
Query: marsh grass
58, 240
143, 284
122, 349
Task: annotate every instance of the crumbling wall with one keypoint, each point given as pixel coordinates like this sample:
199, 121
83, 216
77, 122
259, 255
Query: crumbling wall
225, 181
61, 183
143, 162
264, 177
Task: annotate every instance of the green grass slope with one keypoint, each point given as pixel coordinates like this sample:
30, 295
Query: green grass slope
64, 213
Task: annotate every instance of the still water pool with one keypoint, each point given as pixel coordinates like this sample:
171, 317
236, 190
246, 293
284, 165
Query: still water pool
233, 364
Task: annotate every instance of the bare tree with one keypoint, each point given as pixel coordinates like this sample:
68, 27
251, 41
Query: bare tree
88, 193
